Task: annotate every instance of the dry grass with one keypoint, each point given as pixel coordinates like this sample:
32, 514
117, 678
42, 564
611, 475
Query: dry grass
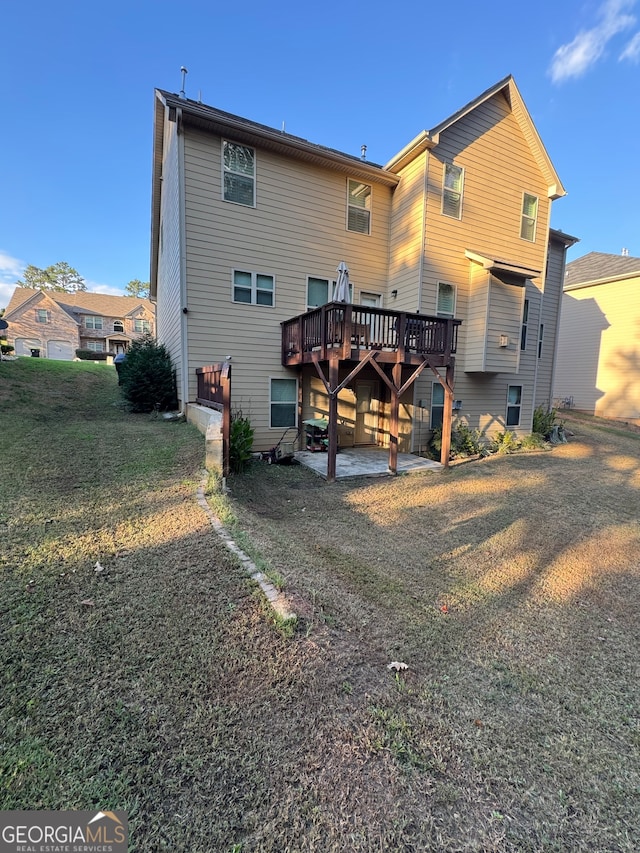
509, 586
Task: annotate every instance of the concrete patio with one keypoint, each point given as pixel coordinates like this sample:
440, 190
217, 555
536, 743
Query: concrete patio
365, 462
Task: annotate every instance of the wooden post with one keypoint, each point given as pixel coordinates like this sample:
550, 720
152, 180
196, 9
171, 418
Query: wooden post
225, 380
393, 417
447, 417
332, 450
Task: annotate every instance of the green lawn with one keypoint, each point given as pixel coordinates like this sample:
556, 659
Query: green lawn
160, 684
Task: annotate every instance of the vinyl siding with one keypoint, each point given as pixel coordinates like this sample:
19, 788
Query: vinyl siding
169, 302
599, 349
549, 317
297, 229
407, 230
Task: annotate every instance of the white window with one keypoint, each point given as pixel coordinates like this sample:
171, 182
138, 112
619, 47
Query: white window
437, 405
118, 326
525, 324
452, 191
320, 291
42, 315
358, 207
446, 305
239, 174
91, 322
540, 339
141, 326
95, 346
253, 288
514, 401
529, 217
283, 399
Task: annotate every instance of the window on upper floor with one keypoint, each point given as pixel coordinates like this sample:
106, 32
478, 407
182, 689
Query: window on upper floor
446, 304
358, 207
239, 174
118, 326
93, 322
320, 291
529, 217
525, 325
437, 405
283, 402
452, 186
253, 288
514, 402
141, 326
95, 346
42, 315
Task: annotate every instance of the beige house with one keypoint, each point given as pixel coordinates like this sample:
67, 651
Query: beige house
455, 276
598, 363
56, 324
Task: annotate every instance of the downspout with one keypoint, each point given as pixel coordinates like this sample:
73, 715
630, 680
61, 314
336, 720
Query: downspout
423, 248
184, 324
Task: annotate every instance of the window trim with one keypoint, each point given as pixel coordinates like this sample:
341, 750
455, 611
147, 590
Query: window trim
533, 219
254, 288
511, 405
142, 321
225, 171
95, 346
446, 190
120, 324
40, 312
455, 299
369, 209
94, 320
436, 406
272, 403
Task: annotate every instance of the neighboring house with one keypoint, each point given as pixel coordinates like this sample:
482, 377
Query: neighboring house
598, 363
57, 324
447, 247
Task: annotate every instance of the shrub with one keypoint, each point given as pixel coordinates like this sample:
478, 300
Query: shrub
544, 421
506, 442
6, 349
240, 442
90, 355
535, 441
148, 378
464, 442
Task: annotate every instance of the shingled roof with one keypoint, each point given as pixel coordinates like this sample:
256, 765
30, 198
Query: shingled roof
599, 267
82, 302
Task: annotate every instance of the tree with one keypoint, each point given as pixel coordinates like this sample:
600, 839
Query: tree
59, 277
137, 288
147, 377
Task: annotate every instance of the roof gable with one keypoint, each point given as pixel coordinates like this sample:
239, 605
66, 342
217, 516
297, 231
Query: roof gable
507, 89
80, 302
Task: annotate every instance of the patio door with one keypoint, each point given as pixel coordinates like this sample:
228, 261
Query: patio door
366, 431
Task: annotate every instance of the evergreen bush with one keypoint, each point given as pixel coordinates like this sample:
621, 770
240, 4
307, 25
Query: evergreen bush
240, 442
147, 377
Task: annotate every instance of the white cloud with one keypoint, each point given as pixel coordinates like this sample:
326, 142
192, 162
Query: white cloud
105, 289
632, 50
10, 271
577, 57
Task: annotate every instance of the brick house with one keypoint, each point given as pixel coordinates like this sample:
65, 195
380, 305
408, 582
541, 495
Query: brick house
57, 324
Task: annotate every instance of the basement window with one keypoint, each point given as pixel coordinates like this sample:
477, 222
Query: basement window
283, 402
514, 402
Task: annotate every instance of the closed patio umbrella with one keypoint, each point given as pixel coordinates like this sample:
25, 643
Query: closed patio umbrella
341, 291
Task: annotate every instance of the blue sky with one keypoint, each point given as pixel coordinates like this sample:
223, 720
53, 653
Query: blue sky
77, 81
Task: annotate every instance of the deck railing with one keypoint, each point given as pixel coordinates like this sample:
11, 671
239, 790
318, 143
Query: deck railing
358, 327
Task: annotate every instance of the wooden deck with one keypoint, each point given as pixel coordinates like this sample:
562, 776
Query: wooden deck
352, 332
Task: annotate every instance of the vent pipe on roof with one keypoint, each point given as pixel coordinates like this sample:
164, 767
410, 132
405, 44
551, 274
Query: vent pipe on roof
363, 152
184, 73
625, 253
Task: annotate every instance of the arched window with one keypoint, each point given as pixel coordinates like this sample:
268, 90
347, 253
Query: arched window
118, 326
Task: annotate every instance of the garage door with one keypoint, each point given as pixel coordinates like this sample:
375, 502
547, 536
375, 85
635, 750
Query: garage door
25, 345
60, 350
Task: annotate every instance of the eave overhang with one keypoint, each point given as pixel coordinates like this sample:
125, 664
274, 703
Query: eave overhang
500, 267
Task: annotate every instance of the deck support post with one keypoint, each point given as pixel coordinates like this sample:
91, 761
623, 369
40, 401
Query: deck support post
332, 449
447, 417
394, 419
